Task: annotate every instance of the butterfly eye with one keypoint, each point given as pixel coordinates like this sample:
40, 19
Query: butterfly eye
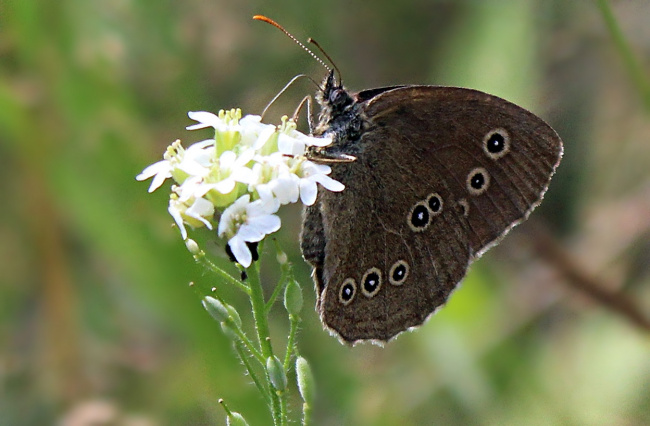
371, 282
347, 291
398, 272
478, 181
339, 98
496, 143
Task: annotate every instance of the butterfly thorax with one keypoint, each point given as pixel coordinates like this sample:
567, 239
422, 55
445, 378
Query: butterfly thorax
340, 116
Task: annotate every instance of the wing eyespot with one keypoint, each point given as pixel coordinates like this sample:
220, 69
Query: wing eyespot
371, 282
496, 143
419, 217
347, 291
435, 203
478, 181
398, 273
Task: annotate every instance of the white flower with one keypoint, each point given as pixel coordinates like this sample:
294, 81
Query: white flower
194, 212
179, 163
274, 179
246, 221
220, 178
246, 172
232, 169
252, 132
294, 143
310, 174
160, 171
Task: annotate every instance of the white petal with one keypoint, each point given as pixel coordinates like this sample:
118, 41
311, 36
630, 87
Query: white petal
250, 233
205, 119
154, 169
193, 168
176, 214
189, 189
224, 225
158, 180
270, 206
240, 251
201, 145
311, 168
250, 120
314, 141
243, 175
201, 189
201, 209
262, 207
238, 207
286, 189
244, 157
257, 228
160, 170
268, 224
265, 193
308, 192
329, 183
225, 186
201, 152
227, 159
264, 136
290, 146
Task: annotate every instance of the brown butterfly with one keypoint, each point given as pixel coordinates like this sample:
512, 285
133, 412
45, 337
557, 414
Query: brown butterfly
440, 175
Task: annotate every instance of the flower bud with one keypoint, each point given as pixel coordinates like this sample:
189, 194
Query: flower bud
305, 378
235, 419
234, 315
276, 373
282, 258
229, 332
215, 308
232, 417
192, 246
293, 297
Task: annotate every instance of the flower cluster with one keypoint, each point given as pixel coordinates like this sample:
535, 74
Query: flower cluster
241, 177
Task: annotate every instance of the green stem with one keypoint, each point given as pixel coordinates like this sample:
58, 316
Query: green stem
306, 414
251, 372
276, 292
248, 344
202, 258
635, 69
295, 320
264, 337
283, 408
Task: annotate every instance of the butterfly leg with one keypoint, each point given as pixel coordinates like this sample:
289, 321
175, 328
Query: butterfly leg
310, 119
322, 156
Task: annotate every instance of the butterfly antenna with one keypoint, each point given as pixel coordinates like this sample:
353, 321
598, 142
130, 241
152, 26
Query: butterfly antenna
284, 89
281, 28
315, 43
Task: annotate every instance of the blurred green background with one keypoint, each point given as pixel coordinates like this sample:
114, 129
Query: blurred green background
97, 322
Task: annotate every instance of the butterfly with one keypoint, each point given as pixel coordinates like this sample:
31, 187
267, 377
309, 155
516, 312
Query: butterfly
434, 177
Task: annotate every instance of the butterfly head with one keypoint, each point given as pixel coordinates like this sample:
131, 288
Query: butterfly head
339, 110
334, 96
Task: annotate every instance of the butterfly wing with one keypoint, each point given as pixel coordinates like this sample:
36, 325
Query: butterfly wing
441, 175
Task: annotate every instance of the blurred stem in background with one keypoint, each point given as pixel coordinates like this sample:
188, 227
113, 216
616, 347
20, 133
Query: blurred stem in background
638, 74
